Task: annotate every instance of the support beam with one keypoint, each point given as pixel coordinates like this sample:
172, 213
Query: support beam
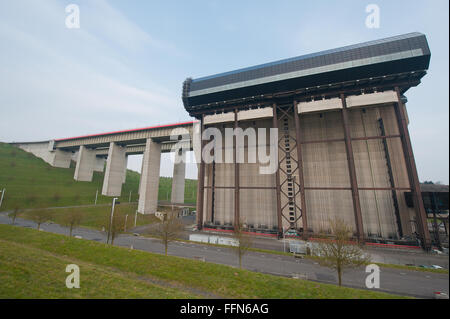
201, 180
148, 194
112, 183
179, 172
413, 177
237, 215
301, 180
352, 172
277, 177
85, 164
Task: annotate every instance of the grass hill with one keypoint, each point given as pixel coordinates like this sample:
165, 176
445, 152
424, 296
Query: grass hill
32, 265
30, 182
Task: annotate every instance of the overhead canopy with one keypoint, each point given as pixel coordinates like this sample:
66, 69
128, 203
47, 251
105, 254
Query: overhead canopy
394, 55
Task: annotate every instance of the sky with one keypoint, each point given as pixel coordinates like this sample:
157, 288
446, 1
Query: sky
124, 67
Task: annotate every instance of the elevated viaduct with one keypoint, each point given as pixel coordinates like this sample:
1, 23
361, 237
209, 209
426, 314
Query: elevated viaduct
92, 152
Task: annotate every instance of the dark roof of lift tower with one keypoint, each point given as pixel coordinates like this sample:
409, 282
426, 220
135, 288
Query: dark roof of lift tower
404, 58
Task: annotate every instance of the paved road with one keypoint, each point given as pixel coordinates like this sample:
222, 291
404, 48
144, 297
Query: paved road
412, 283
416, 257
384, 255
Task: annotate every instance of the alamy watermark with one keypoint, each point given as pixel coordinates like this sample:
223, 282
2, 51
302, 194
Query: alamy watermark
373, 279
373, 19
73, 18
220, 145
73, 280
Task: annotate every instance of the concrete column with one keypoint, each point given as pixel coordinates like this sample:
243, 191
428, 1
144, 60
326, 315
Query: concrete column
61, 158
125, 170
75, 156
99, 164
148, 194
112, 184
140, 178
179, 172
85, 165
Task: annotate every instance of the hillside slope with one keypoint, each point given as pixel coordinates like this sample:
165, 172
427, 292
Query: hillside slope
31, 182
29, 256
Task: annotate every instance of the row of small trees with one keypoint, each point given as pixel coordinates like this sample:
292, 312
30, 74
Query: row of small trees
71, 219
335, 250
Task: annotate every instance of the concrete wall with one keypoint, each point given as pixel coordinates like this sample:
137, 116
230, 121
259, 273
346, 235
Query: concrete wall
43, 150
40, 150
257, 206
325, 166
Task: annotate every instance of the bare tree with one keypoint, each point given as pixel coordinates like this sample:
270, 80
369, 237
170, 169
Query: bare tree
339, 252
72, 219
244, 241
168, 229
114, 226
14, 213
40, 216
117, 226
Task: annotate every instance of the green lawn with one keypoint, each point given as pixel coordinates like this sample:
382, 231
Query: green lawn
115, 272
46, 279
30, 183
98, 216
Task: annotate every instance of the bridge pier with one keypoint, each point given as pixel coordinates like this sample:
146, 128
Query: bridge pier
179, 171
99, 164
61, 158
149, 184
125, 170
112, 183
85, 164
140, 179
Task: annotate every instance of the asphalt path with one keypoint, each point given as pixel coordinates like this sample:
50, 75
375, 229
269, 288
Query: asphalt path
397, 281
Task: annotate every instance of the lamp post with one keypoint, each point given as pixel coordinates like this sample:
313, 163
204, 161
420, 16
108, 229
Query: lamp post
135, 218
